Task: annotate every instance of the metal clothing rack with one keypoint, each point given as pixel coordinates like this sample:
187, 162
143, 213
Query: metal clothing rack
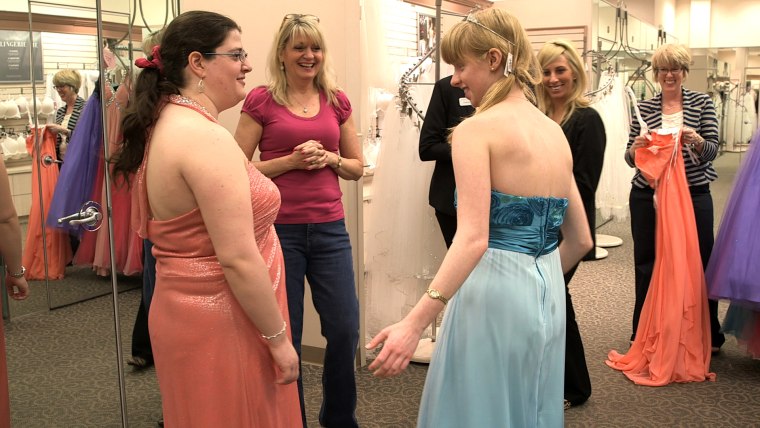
406, 101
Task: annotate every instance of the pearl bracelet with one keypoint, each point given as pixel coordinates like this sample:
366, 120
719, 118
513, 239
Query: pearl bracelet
276, 335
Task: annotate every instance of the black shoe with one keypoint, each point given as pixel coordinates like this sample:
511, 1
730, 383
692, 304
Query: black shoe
160, 422
140, 363
568, 404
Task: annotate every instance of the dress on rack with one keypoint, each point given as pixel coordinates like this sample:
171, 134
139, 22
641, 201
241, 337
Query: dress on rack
615, 181
499, 358
672, 341
733, 270
95, 249
58, 244
80, 167
213, 367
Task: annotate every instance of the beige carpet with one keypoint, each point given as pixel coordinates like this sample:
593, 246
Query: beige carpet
62, 364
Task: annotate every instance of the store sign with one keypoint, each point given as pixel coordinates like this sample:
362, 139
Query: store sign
15, 56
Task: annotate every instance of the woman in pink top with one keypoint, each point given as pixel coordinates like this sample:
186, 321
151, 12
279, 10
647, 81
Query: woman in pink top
302, 124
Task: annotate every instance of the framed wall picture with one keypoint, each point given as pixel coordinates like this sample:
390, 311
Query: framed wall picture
15, 56
425, 33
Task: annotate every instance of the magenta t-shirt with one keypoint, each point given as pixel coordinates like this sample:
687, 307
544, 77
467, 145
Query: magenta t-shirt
307, 196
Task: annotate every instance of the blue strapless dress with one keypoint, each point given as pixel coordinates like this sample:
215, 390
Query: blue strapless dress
499, 357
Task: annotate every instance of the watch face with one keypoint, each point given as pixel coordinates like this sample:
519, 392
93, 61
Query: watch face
434, 294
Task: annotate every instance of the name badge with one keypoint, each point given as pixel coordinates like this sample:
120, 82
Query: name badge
464, 102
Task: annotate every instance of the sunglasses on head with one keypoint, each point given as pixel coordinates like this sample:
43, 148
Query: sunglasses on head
299, 17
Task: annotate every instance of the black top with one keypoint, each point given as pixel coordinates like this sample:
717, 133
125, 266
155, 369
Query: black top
444, 112
584, 131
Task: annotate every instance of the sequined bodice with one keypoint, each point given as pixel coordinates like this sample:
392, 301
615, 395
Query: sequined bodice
528, 225
185, 237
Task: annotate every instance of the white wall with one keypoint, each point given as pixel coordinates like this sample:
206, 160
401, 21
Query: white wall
734, 23
553, 13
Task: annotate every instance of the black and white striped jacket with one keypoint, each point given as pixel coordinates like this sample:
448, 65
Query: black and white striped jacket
698, 114
59, 115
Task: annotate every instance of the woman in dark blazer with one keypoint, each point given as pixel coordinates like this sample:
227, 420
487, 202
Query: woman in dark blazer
446, 109
561, 97
694, 112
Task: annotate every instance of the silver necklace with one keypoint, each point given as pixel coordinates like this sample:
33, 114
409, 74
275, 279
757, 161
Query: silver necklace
305, 107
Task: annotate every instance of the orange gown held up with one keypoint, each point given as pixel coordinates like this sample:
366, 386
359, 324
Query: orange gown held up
673, 337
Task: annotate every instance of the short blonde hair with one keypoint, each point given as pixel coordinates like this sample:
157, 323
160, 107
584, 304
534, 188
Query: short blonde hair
494, 28
548, 54
151, 40
671, 55
68, 77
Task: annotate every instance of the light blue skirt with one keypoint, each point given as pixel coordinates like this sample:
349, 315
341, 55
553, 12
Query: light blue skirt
499, 358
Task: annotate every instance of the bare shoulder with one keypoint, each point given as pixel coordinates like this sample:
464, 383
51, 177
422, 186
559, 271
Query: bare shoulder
187, 133
475, 127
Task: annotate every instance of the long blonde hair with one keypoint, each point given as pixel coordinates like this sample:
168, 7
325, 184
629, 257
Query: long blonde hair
296, 26
548, 54
488, 29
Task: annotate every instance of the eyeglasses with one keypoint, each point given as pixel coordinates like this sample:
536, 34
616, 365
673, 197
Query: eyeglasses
239, 55
58, 88
475, 21
299, 17
672, 71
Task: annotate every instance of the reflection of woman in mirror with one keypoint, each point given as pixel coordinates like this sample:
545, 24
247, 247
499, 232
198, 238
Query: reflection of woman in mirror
221, 345
66, 83
18, 289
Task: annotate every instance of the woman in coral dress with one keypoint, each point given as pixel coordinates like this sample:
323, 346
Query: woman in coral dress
222, 349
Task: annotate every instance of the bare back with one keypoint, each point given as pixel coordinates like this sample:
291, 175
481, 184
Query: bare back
529, 155
186, 161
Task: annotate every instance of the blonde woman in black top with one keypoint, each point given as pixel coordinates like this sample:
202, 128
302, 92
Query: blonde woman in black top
560, 96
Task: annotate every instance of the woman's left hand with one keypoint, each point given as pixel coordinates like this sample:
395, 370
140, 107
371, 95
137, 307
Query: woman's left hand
18, 288
690, 136
314, 155
58, 129
399, 342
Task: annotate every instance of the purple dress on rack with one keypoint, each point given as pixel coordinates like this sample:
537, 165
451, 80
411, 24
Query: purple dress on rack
80, 166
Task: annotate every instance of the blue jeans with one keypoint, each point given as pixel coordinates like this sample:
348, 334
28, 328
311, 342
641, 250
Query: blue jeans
321, 252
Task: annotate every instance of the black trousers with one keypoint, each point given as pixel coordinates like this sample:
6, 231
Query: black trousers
448, 224
140, 335
577, 379
643, 220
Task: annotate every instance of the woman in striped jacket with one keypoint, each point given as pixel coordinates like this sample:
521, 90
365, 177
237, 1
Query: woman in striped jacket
66, 83
694, 112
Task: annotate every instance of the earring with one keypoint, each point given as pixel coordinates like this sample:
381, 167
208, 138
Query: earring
201, 86
282, 67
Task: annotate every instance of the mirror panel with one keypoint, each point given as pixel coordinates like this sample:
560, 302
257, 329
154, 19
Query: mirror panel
64, 367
